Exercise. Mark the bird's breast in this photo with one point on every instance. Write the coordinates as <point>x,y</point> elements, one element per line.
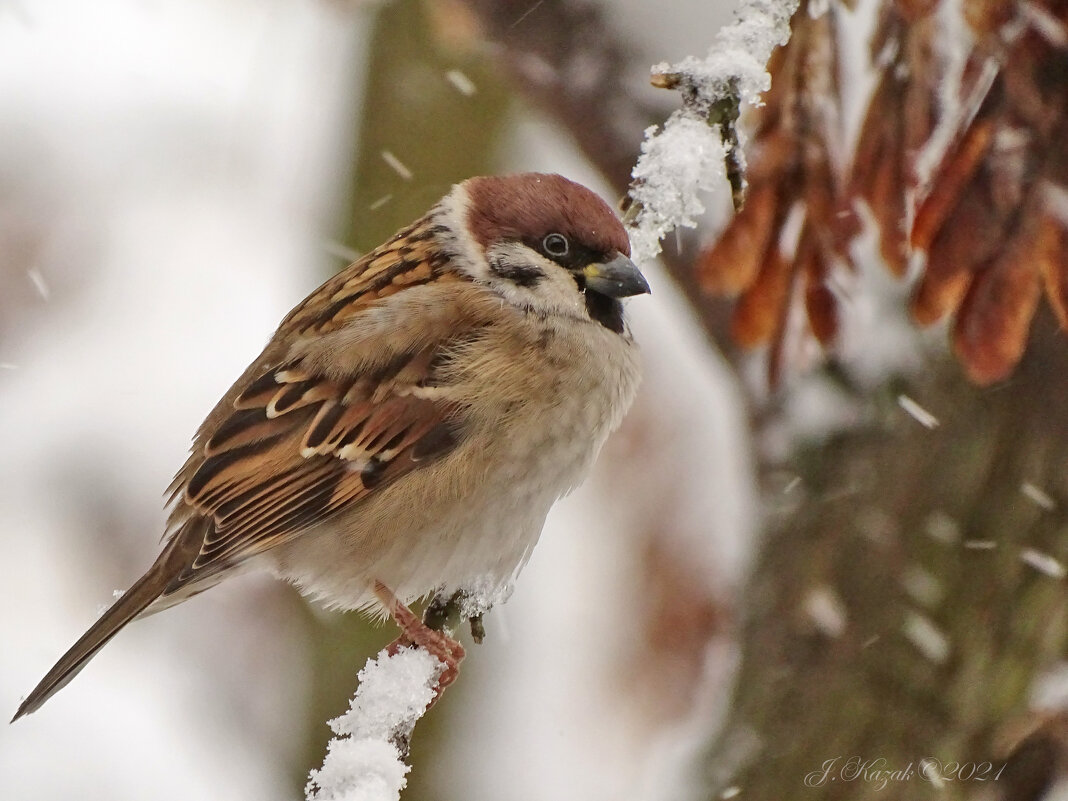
<point>537,407</point>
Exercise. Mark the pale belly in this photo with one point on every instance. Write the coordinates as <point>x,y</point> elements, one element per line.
<point>469,520</point>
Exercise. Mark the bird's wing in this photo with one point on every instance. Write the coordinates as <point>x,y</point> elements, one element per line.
<point>306,433</point>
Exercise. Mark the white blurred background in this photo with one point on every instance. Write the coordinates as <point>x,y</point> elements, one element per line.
<point>173,178</point>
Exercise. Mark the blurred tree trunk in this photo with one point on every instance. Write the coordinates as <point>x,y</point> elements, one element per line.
<point>415,109</point>
<point>895,612</point>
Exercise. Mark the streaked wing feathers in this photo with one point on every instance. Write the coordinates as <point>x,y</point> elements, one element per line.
<point>297,448</point>
<point>289,446</point>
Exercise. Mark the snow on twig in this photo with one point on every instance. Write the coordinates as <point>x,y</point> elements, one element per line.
<point>685,157</point>
<point>365,761</point>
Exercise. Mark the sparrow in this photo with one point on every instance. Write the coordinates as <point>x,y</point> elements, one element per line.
<point>410,423</point>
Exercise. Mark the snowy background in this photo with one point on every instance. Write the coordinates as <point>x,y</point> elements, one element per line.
<point>170,181</point>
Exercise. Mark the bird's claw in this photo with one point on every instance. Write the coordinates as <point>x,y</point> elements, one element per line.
<point>414,632</point>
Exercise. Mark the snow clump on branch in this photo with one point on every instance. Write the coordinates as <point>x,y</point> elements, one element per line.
<point>365,762</point>
<point>686,156</point>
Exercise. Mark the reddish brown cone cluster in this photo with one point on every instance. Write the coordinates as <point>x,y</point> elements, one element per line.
<point>993,223</point>
<point>989,221</point>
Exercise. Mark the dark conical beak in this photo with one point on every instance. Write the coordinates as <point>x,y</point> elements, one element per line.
<point>618,278</point>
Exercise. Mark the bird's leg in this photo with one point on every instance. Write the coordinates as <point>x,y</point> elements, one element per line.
<point>446,613</point>
<point>414,631</point>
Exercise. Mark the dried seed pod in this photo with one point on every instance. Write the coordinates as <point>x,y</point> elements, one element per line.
<point>958,251</point>
<point>763,303</point>
<point>733,262</point>
<point>953,175</point>
<point>990,331</point>
<point>1051,258</point>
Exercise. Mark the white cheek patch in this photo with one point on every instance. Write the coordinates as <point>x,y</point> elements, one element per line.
<point>521,276</point>
<point>527,279</point>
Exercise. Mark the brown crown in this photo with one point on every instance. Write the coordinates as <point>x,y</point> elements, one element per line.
<point>531,205</point>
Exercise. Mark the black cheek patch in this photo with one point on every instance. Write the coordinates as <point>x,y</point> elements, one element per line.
<point>521,273</point>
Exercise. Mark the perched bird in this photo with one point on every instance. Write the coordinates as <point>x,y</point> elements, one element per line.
<point>410,423</point>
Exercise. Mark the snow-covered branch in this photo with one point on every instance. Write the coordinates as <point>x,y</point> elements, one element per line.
<point>686,156</point>
<point>365,761</point>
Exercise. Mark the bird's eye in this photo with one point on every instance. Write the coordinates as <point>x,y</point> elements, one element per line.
<point>556,245</point>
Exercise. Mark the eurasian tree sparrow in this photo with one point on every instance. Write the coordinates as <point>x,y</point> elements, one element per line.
<point>409,425</point>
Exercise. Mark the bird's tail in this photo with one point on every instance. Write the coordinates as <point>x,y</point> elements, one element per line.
<point>175,557</point>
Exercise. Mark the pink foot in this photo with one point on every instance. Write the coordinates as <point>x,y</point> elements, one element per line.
<point>415,632</point>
